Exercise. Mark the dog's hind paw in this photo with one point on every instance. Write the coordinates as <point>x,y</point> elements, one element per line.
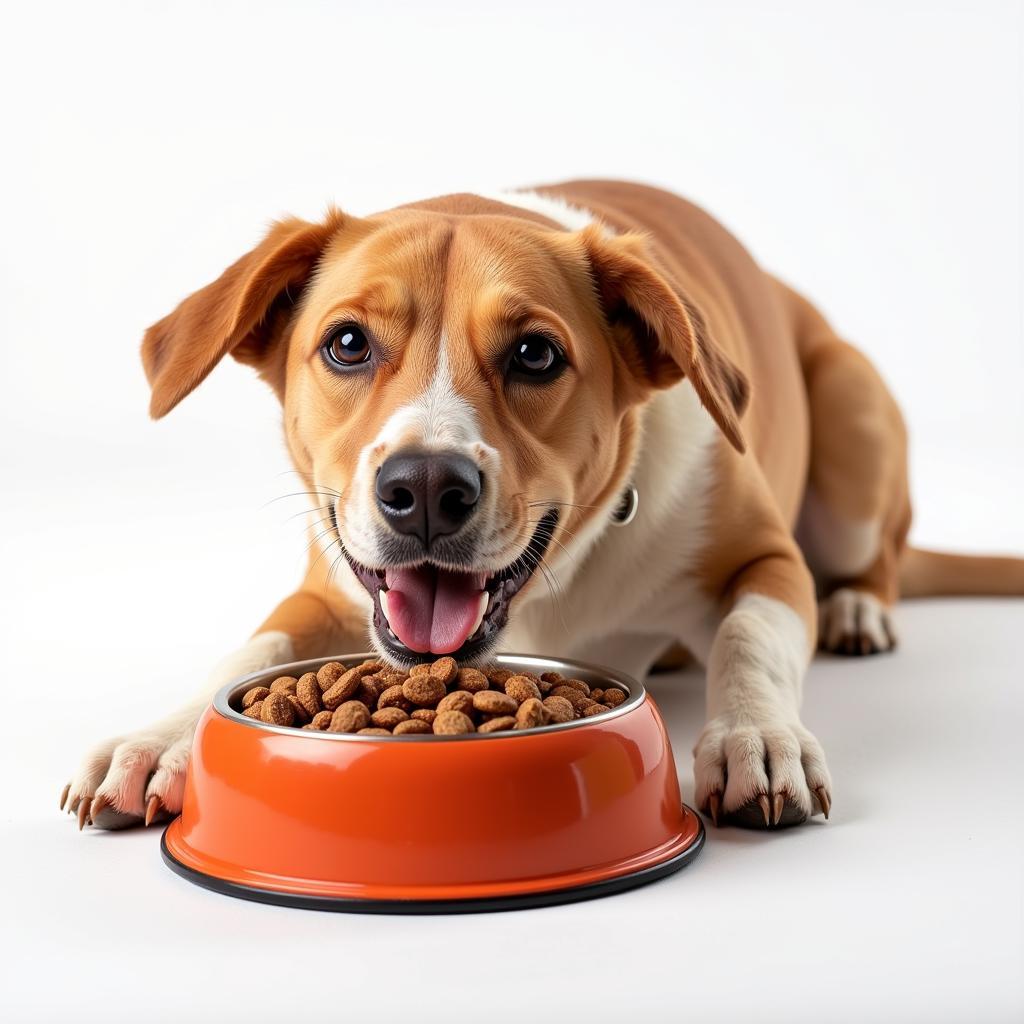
<point>855,623</point>
<point>132,780</point>
<point>760,776</point>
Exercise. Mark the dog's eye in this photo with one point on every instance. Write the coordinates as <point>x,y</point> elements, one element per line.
<point>536,356</point>
<point>346,346</point>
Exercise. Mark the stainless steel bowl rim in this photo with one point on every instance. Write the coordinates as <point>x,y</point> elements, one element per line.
<point>531,663</point>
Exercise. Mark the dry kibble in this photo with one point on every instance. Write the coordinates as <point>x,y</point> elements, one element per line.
<point>498,676</point>
<point>559,709</point>
<point>457,700</point>
<point>424,691</point>
<point>494,702</point>
<point>277,709</point>
<point>438,697</point>
<point>388,718</point>
<point>521,688</point>
<point>394,697</point>
<point>444,669</point>
<point>412,726</point>
<point>453,723</point>
<point>253,695</point>
<point>472,680</point>
<point>531,714</point>
<point>307,691</point>
<point>350,717</point>
<point>302,716</point>
<point>499,723</point>
<point>578,700</point>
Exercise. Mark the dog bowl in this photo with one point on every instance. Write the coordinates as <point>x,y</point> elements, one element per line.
<point>428,824</point>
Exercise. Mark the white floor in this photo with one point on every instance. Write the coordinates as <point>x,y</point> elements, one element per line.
<point>905,906</point>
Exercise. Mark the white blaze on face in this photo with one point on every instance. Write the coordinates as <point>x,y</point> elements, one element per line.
<point>439,419</point>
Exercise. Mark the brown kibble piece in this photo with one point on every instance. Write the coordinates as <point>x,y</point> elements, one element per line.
<point>552,677</point>
<point>344,687</point>
<point>499,723</point>
<point>577,684</point>
<point>321,720</point>
<point>559,709</point>
<point>373,731</point>
<point>494,702</point>
<point>284,684</point>
<point>521,688</point>
<point>391,677</point>
<point>369,690</point>
<point>594,709</point>
<point>578,700</point>
<point>394,697</point>
<point>444,669</point>
<point>422,669</point>
<point>498,676</point>
<point>424,715</point>
<point>597,695</point>
<point>350,717</point>
<point>425,690</point>
<point>457,700</point>
<point>613,697</point>
<point>452,723</point>
<point>328,675</point>
<point>388,718</point>
<point>253,710</point>
<point>531,714</point>
<point>411,727</point>
<point>307,691</point>
<point>472,680</point>
<point>277,709</point>
<point>253,695</point>
<point>302,716</point>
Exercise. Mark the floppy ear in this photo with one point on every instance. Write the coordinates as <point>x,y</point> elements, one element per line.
<point>664,336</point>
<point>240,312</point>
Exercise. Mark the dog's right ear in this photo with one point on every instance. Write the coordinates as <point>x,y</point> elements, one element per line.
<point>233,313</point>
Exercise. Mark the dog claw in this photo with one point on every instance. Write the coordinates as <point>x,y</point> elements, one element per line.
<point>74,805</point>
<point>714,806</point>
<point>64,796</point>
<point>762,801</point>
<point>98,804</point>
<point>778,802</point>
<point>153,808</point>
<point>824,800</point>
<point>83,812</point>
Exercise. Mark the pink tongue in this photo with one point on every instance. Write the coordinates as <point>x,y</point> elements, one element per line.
<point>432,609</point>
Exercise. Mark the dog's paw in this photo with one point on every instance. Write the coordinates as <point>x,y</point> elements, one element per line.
<point>854,622</point>
<point>134,779</point>
<point>765,775</point>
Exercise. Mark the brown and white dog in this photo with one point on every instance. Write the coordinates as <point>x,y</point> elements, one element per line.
<point>470,387</point>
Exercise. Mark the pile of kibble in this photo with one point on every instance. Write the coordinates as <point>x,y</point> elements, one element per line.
<point>373,699</point>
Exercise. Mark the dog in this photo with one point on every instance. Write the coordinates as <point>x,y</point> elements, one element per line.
<point>479,390</point>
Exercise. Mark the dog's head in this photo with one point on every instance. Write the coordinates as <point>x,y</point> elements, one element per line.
<point>461,384</point>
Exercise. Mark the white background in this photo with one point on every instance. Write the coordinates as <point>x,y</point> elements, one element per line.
<point>869,154</point>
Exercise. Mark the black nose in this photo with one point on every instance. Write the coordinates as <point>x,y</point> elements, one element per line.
<point>426,494</point>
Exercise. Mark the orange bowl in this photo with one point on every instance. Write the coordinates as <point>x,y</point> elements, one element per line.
<point>425,823</point>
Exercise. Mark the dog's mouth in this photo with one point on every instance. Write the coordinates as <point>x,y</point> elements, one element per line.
<point>431,609</point>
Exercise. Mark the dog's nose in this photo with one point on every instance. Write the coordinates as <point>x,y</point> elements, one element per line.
<point>428,494</point>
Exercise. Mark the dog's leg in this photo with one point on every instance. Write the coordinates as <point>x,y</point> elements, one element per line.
<point>141,776</point>
<point>856,513</point>
<point>755,762</point>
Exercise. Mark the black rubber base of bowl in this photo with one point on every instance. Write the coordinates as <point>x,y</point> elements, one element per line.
<point>470,906</point>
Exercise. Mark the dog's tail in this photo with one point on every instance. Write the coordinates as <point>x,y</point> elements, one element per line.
<point>935,573</point>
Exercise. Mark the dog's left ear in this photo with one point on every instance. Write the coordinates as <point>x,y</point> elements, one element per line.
<point>663,335</point>
<point>241,312</point>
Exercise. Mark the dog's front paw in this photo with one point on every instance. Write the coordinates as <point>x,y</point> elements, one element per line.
<point>760,774</point>
<point>132,779</point>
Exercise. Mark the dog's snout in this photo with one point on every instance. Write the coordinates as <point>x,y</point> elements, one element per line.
<point>428,494</point>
